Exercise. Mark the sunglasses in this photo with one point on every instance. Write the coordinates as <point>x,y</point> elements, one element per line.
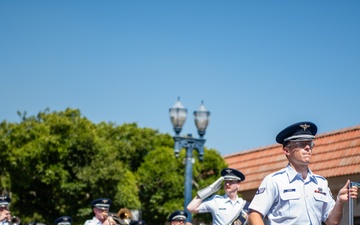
<point>302,144</point>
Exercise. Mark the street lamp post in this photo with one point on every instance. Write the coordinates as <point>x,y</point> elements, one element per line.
<point>178,117</point>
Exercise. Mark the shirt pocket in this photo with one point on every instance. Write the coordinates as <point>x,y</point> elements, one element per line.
<point>320,198</point>
<point>289,202</point>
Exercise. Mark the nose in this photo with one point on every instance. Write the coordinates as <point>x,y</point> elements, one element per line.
<point>307,148</point>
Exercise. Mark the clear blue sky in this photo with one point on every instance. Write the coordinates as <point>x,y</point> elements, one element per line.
<point>259,66</point>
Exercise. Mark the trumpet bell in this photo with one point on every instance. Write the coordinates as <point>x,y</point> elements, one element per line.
<point>124,216</point>
<point>124,213</point>
<point>14,220</point>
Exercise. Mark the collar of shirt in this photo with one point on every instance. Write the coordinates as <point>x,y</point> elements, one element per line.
<point>97,221</point>
<point>294,175</point>
<point>227,199</point>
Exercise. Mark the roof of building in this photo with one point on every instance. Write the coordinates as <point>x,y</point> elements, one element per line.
<point>335,154</point>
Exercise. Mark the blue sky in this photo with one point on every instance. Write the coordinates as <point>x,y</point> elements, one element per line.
<point>259,66</point>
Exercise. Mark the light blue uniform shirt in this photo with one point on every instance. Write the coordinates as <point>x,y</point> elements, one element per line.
<point>285,198</point>
<point>4,222</point>
<point>223,210</point>
<point>93,221</point>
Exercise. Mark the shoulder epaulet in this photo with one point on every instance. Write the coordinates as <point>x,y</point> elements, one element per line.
<point>321,177</point>
<point>278,173</point>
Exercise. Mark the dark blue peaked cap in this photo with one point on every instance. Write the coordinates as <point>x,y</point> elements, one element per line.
<point>63,220</point>
<point>232,174</point>
<point>301,131</point>
<point>5,201</point>
<point>102,203</point>
<point>178,215</point>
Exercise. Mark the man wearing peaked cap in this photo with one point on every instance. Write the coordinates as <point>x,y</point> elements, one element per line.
<point>296,188</point>
<point>64,220</point>
<point>101,209</point>
<point>4,209</point>
<point>224,209</point>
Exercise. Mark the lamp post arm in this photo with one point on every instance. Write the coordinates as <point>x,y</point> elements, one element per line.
<point>189,142</point>
<point>199,146</point>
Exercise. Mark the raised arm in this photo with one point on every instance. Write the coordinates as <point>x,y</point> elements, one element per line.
<point>194,205</point>
<point>203,194</point>
<point>336,213</point>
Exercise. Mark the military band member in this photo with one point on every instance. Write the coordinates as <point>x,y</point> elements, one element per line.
<point>295,195</point>
<point>5,215</point>
<point>224,209</point>
<point>101,208</point>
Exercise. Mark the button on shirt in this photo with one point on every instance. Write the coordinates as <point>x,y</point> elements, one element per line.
<point>93,221</point>
<point>286,198</point>
<point>223,210</point>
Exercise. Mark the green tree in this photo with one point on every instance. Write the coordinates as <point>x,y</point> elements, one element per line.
<point>161,181</point>
<point>161,185</point>
<point>56,163</point>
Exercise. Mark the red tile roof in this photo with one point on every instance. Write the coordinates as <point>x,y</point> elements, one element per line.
<point>336,154</point>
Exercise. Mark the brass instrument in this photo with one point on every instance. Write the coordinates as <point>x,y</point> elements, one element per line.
<point>123,217</point>
<point>14,220</point>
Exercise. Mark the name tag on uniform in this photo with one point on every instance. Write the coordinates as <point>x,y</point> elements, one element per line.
<point>222,208</point>
<point>289,190</point>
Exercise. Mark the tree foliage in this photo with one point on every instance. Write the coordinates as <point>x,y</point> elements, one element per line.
<point>161,179</point>
<point>56,163</point>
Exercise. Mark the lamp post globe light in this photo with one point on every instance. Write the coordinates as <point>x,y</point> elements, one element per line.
<point>178,115</point>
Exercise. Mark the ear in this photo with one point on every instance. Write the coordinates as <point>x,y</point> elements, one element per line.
<point>286,151</point>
